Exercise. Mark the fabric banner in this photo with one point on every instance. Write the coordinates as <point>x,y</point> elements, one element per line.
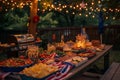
<point>66,67</point>
<point>101,23</point>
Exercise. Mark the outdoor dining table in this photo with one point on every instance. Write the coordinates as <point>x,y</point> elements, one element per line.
<point>82,68</point>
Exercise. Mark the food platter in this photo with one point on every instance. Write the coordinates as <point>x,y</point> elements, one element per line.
<point>87,54</point>
<point>15,64</point>
<point>51,74</point>
<point>78,50</point>
<point>77,60</point>
<point>14,69</point>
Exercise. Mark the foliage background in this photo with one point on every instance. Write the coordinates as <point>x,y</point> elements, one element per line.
<point>18,18</point>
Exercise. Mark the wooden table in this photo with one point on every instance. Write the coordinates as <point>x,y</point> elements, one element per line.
<point>82,68</point>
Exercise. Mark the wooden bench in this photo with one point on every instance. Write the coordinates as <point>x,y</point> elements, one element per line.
<point>113,72</point>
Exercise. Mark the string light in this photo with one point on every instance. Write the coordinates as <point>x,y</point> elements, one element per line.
<point>49,9</point>
<point>11,0</point>
<point>73,7</point>
<point>52,6</point>
<point>89,13</point>
<point>67,11</point>
<point>70,6</point>
<point>86,15</point>
<point>106,18</point>
<point>6,10</point>
<point>80,14</point>
<point>3,1</point>
<point>61,7</point>
<point>38,9</point>
<point>113,18</point>
<point>99,2</point>
<point>93,16</point>
<point>104,9</point>
<point>73,12</point>
<point>86,9</point>
<point>27,3</point>
<point>92,3</point>
<point>59,4</point>
<point>12,8</point>
<point>77,6</point>
<point>80,8</point>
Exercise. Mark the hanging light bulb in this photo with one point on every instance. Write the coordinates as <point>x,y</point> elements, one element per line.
<point>59,4</point>
<point>67,11</point>
<point>113,18</point>
<point>93,16</point>
<point>89,13</point>
<point>60,9</point>
<point>99,1</point>
<point>77,6</point>
<point>106,17</point>
<point>73,12</point>
<point>70,6</point>
<point>80,14</point>
<point>92,3</point>
<point>86,15</point>
<point>104,9</point>
<point>12,8</point>
<point>6,10</point>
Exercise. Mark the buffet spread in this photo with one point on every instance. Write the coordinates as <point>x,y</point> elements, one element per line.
<point>55,62</point>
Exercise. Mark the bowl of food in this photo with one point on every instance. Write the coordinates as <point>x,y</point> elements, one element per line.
<point>15,64</point>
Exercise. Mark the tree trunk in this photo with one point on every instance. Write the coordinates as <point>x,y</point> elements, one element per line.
<point>33,12</point>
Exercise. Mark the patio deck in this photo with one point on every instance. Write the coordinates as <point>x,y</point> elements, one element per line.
<point>87,76</point>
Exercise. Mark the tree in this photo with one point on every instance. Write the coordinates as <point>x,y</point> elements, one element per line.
<point>66,8</point>
<point>70,8</point>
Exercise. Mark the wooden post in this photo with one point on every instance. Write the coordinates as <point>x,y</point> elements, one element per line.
<point>33,12</point>
<point>101,38</point>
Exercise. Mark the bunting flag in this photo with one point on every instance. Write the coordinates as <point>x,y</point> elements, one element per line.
<point>60,75</point>
<point>3,75</point>
<point>101,23</point>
